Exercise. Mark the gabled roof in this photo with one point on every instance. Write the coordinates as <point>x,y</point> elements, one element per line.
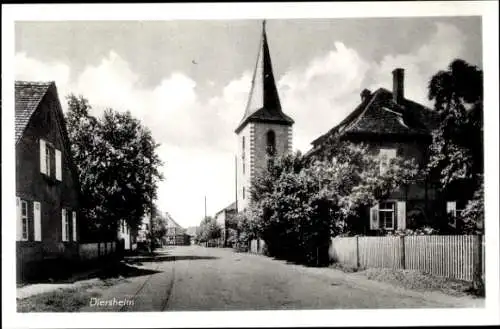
<point>172,222</point>
<point>378,114</point>
<point>28,95</point>
<point>231,207</point>
<point>263,101</point>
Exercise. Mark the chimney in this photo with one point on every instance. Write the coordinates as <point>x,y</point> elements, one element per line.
<point>365,94</point>
<point>398,87</point>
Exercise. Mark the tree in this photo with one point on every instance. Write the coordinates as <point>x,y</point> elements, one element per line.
<point>300,203</point>
<point>117,164</point>
<point>208,230</point>
<point>158,226</point>
<point>457,148</point>
<point>456,153</point>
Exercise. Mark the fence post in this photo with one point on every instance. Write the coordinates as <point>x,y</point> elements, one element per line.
<point>403,251</point>
<point>358,263</point>
<point>478,283</point>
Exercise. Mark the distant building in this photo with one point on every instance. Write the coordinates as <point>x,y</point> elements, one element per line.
<point>191,230</point>
<point>176,235</point>
<point>265,132</point>
<point>222,217</point>
<point>47,187</point>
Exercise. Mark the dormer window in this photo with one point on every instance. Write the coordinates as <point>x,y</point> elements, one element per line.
<point>386,155</point>
<point>271,143</point>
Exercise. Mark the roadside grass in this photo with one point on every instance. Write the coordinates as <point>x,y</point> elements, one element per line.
<point>64,299</point>
<point>414,280</point>
<point>345,268</point>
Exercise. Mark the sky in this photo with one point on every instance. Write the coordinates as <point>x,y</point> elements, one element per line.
<point>188,81</point>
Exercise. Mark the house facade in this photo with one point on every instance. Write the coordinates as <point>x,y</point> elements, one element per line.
<point>222,217</point>
<point>127,236</point>
<point>47,188</point>
<point>265,131</point>
<point>175,235</point>
<point>393,126</point>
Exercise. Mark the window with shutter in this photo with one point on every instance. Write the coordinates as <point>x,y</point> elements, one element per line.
<point>19,230</point>
<point>374,220</point>
<point>67,226</point>
<point>58,165</point>
<point>37,220</point>
<point>387,215</point>
<point>63,225</point>
<point>43,154</point>
<point>451,210</point>
<point>401,207</point>
<point>386,155</point>
<point>74,226</point>
<point>48,162</point>
<point>24,220</point>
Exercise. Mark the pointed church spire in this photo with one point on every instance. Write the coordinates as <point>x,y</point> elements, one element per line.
<point>263,101</point>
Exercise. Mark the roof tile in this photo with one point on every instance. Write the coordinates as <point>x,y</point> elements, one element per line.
<point>28,95</point>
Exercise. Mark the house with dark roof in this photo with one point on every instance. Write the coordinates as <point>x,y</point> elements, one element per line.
<point>392,126</point>
<point>176,234</point>
<point>47,188</point>
<point>222,217</point>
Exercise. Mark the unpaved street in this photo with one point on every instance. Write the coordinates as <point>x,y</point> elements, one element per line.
<point>197,278</point>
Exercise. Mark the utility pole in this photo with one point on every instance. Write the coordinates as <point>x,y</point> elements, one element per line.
<point>205,206</point>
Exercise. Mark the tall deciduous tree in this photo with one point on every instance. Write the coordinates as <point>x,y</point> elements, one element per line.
<point>117,164</point>
<point>457,149</point>
<point>158,226</point>
<point>456,154</point>
<point>208,230</point>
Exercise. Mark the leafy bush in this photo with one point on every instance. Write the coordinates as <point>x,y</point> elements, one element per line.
<point>300,203</point>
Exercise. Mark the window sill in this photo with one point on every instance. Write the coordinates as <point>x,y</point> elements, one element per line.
<point>51,180</point>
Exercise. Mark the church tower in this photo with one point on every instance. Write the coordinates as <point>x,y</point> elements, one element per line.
<point>265,132</point>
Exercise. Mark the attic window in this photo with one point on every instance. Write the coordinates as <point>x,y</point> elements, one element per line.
<point>386,155</point>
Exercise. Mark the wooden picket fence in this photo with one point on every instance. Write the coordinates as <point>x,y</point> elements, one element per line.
<point>453,256</point>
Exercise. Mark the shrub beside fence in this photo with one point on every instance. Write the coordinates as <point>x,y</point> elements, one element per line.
<point>458,257</point>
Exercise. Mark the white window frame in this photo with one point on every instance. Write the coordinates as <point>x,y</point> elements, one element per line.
<point>74,232</point>
<point>452,208</point>
<point>386,155</point>
<point>382,210</point>
<point>65,236</point>
<point>24,221</point>
<point>58,164</point>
